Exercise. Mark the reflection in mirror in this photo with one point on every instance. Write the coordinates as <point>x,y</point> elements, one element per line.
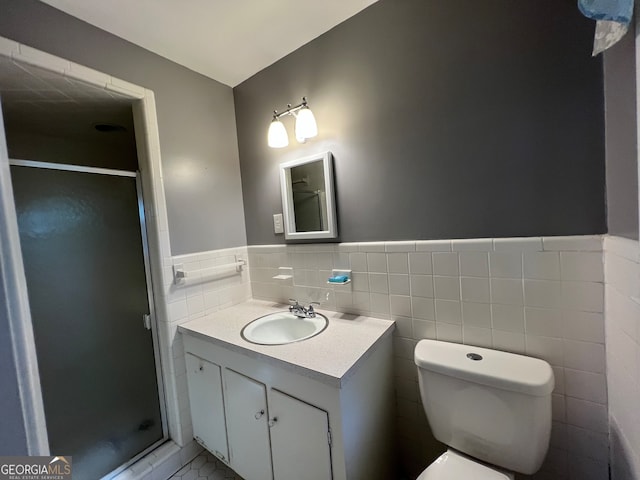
<point>307,197</point>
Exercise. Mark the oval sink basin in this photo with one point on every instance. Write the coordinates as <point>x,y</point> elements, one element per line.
<point>283,327</point>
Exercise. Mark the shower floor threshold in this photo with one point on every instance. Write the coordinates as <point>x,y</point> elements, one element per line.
<point>164,455</point>
<point>170,462</point>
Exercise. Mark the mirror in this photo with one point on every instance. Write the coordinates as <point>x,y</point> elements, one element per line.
<point>308,202</point>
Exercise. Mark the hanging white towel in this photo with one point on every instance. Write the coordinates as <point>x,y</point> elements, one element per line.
<point>607,35</point>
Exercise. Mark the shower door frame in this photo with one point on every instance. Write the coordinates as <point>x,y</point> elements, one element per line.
<point>14,291</point>
<point>147,271</point>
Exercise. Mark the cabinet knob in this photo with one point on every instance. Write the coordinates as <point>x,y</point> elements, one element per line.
<point>273,421</point>
<point>201,367</point>
<point>259,414</point>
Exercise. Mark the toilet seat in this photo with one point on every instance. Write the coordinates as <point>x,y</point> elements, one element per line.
<point>454,466</point>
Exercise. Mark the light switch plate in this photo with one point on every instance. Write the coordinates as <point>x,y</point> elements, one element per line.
<point>278,225</point>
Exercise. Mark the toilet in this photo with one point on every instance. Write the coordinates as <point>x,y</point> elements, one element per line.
<point>492,409</point>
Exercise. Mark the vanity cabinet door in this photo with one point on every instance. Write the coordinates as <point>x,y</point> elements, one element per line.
<point>204,381</point>
<point>247,423</point>
<point>300,439</point>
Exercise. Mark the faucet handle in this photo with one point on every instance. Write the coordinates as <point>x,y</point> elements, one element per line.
<point>293,304</point>
<point>310,311</point>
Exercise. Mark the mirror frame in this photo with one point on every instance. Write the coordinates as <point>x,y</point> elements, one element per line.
<point>637,46</point>
<point>286,190</point>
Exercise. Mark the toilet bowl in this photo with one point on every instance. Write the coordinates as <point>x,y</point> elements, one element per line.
<point>492,409</point>
<point>452,465</point>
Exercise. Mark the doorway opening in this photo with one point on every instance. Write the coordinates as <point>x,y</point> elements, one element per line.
<point>46,93</point>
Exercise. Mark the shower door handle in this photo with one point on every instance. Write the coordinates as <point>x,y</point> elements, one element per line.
<point>146,321</point>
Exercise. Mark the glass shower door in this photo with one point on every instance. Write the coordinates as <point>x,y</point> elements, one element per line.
<point>83,254</point>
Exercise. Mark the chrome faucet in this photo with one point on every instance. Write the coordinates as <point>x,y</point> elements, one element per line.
<point>300,310</point>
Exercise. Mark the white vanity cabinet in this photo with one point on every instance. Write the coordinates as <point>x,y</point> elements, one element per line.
<point>300,439</point>
<point>283,434</point>
<point>248,426</point>
<point>322,409</point>
<point>204,380</point>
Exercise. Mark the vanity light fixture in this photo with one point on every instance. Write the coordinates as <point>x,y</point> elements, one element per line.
<point>305,128</point>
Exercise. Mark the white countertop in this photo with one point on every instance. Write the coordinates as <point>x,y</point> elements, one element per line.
<point>330,357</point>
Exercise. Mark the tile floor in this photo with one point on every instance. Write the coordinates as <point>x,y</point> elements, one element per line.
<point>205,467</point>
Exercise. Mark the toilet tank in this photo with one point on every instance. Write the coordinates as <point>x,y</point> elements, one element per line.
<point>494,406</point>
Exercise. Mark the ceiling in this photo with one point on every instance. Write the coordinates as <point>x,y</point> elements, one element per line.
<point>227,40</point>
<point>42,102</point>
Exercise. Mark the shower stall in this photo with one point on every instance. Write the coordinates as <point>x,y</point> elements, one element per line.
<point>83,240</point>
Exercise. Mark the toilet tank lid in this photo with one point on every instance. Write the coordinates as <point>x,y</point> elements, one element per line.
<point>507,371</point>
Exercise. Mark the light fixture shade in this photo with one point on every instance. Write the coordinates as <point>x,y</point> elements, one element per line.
<point>277,136</point>
<point>306,126</point>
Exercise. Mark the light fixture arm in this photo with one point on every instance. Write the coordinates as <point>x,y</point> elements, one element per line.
<point>290,110</point>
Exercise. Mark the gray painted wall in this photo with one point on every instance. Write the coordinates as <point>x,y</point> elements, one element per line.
<point>621,138</point>
<point>195,117</point>
<point>13,440</point>
<point>446,120</point>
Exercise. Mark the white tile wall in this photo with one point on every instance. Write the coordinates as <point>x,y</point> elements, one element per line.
<point>622,274</point>
<point>541,296</point>
<point>192,298</point>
